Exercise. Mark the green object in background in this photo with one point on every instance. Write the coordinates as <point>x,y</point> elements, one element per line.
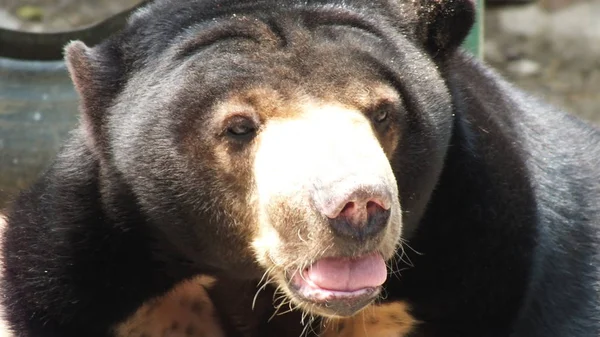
<point>30,13</point>
<point>474,42</point>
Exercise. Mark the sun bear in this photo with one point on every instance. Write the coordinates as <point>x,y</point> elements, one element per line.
<point>343,160</point>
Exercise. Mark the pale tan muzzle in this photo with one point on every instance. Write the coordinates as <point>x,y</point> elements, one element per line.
<point>324,172</point>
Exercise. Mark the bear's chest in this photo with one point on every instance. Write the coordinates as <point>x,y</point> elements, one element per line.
<point>382,320</point>
<point>188,311</point>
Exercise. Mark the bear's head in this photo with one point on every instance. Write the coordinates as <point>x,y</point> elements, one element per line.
<point>288,140</point>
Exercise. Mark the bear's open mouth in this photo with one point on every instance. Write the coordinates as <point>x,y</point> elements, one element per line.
<point>340,286</point>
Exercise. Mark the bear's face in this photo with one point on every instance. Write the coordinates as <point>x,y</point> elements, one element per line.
<point>324,196</point>
<point>271,142</point>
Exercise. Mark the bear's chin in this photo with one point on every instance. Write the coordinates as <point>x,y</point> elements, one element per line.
<point>334,304</point>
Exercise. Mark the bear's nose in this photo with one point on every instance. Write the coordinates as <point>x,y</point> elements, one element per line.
<point>359,215</point>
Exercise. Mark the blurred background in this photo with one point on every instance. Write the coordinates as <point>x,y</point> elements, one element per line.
<point>551,48</point>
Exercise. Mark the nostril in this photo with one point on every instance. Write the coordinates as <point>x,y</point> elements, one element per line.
<point>354,214</point>
<point>378,218</point>
<point>358,213</point>
<point>353,209</point>
<point>360,219</point>
<point>348,210</point>
<point>374,207</point>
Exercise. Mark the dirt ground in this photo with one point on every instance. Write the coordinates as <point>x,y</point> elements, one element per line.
<point>550,48</point>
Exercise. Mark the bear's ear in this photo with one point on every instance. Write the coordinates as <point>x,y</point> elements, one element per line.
<point>81,68</point>
<point>97,78</point>
<point>444,24</point>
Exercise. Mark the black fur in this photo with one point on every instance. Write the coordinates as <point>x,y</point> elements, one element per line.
<point>500,193</point>
<point>509,244</point>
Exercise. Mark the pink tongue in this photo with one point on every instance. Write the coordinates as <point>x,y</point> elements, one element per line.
<point>343,274</point>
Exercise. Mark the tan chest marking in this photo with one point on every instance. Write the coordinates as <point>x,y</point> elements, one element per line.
<point>383,320</point>
<point>186,311</point>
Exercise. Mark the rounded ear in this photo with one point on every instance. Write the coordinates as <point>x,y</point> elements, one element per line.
<point>446,24</point>
<point>88,73</point>
<point>80,67</point>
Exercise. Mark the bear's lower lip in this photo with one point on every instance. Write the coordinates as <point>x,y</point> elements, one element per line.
<point>341,286</point>
<point>334,303</point>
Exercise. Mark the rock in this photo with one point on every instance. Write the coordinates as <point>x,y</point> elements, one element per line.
<point>524,67</point>
<point>8,21</point>
<point>492,51</point>
<point>578,21</point>
<point>526,21</point>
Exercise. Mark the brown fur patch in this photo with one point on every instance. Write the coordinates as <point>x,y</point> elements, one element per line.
<point>383,320</point>
<point>186,311</point>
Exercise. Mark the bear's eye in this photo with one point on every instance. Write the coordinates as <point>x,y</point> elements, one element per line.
<point>241,128</point>
<point>381,114</point>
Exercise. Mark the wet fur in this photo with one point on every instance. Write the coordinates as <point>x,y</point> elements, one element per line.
<point>500,193</point>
